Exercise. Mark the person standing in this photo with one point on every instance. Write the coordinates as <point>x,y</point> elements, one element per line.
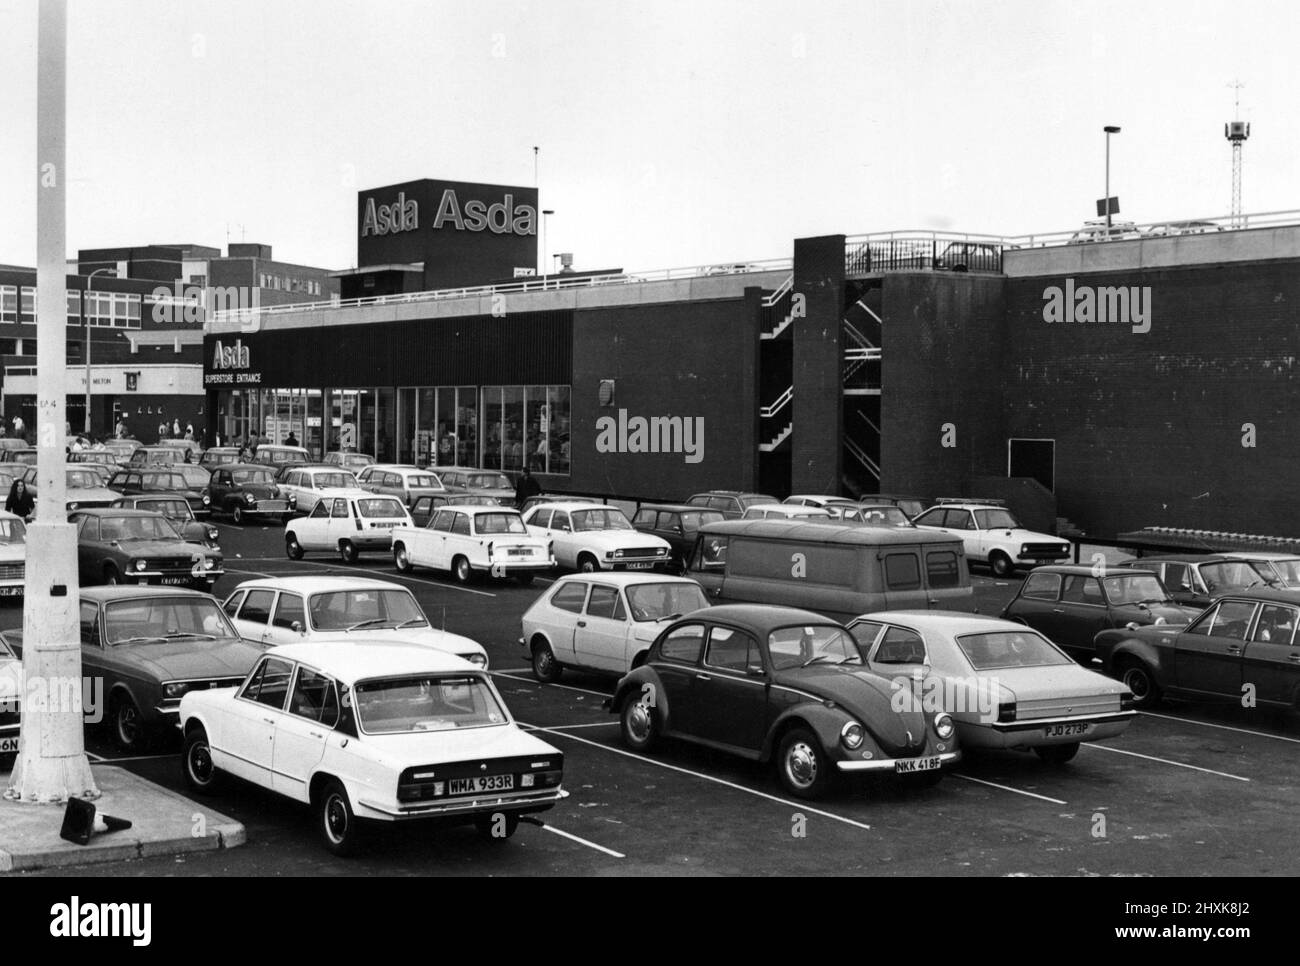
<point>526,487</point>
<point>20,501</point>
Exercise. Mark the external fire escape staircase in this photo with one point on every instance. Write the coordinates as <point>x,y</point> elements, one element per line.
<point>777,422</point>
<point>860,382</point>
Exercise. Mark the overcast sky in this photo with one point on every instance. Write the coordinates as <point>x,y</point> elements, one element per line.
<point>671,133</point>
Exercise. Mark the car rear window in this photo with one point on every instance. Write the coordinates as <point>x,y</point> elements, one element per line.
<point>941,569</point>
<point>1001,649</point>
<point>902,572</point>
<point>385,508</point>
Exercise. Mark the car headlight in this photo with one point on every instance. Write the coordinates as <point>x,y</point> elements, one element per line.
<point>250,498</point>
<point>209,563</point>
<point>175,689</point>
<point>1024,549</point>
<point>943,726</point>
<point>142,565</point>
<point>213,534</point>
<point>206,499</point>
<point>618,553</point>
<point>72,506</point>
<point>851,735</point>
<point>478,660</point>
<point>661,551</point>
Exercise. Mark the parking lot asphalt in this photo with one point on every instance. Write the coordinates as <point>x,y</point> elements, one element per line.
<point>1189,790</point>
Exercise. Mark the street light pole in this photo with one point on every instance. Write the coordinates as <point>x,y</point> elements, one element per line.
<point>546,268</point>
<point>1109,129</point>
<point>90,284</point>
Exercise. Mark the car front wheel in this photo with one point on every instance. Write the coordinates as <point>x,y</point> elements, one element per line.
<point>1000,563</point>
<point>292,547</point>
<point>237,514</point>
<point>339,830</point>
<point>1137,677</point>
<point>588,564</point>
<point>545,667</point>
<point>638,723</point>
<point>111,576</point>
<point>129,729</point>
<point>801,764</point>
<point>201,774</point>
<point>401,559</point>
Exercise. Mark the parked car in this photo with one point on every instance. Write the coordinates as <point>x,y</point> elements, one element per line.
<point>120,451</point>
<point>347,524</point>
<point>992,534</point>
<point>593,536</point>
<point>407,483</point>
<point>1197,579</point>
<point>840,508</point>
<point>1282,568</point>
<point>423,509</point>
<point>1071,604</point>
<point>13,555</point>
<point>289,610</point>
<point>1246,638</point>
<point>26,455</point>
<point>246,491</point>
<point>175,508</point>
<point>349,461</point>
<point>677,524</point>
<point>11,694</point>
<point>191,481</point>
<point>837,569</point>
<point>383,733</point>
<point>787,511</point>
<point>775,684</point>
<point>469,540</point>
<point>275,455</point>
<point>161,455</point>
<point>731,503</point>
<point>1183,228</point>
<point>1005,684</point>
<point>1096,231</point>
<point>220,456</point>
<point>133,546</point>
<point>83,488</point>
<point>884,515</point>
<point>151,646</point>
<point>604,622</point>
<point>304,486</point>
<point>487,483</point>
<point>533,501</point>
<point>966,256</point>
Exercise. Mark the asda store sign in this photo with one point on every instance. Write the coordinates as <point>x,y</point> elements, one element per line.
<point>502,217</point>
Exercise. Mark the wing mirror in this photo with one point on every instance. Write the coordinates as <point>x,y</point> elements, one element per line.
<point>297,627</point>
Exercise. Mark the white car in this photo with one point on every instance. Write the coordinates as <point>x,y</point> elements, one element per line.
<point>592,536</point>
<point>841,508</point>
<point>348,523</point>
<point>992,533</point>
<point>470,540</point>
<point>13,555</point>
<point>604,622</point>
<point>385,733</point>
<point>786,511</point>
<point>407,483</point>
<point>309,484</point>
<point>291,610</point>
<point>1004,684</point>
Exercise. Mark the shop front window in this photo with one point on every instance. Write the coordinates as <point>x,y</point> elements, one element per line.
<point>526,425</point>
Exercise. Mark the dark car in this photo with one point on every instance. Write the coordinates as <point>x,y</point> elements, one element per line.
<point>423,509</point>
<point>191,481</point>
<point>783,686</point>
<point>1244,643</point>
<point>911,505</point>
<point>175,508</point>
<point>149,646</point>
<point>219,456</point>
<point>10,695</point>
<point>678,524</point>
<point>83,488</point>
<point>278,456</point>
<point>1197,579</point>
<point>732,504</point>
<point>1071,604</point>
<point>163,454</point>
<point>246,491</point>
<point>138,547</point>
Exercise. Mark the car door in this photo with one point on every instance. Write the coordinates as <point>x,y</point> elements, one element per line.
<point>219,487</point>
<point>289,611</point>
<point>88,551</point>
<point>248,734</point>
<point>1272,658</point>
<point>677,666</point>
<point>570,598</point>
<point>600,636</point>
<point>730,692</point>
<point>1208,657</point>
<point>1038,603</point>
<point>561,533</point>
<point>312,529</point>
<point>1181,581</point>
<point>339,524</point>
<point>302,731</point>
<point>422,511</point>
<point>1079,615</point>
<point>255,615</point>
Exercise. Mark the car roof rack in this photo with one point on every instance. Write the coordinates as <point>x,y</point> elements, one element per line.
<point>967,499</point>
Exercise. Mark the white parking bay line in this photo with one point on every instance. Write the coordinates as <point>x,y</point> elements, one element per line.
<point>1164,761</point>
<point>1008,788</point>
<point>251,573</point>
<point>123,761</point>
<point>1211,724</point>
<point>797,806</point>
<point>567,687</point>
<point>94,757</point>
<point>589,724</point>
<point>591,845</point>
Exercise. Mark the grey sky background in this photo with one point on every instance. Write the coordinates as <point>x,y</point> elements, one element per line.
<point>671,133</point>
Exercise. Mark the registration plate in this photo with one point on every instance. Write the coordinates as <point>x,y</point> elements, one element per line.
<point>482,783</point>
<point>8,746</point>
<point>11,591</point>
<point>384,526</point>
<point>1066,730</point>
<point>518,552</point>
<point>905,766</point>
<point>176,580</point>
<point>640,566</point>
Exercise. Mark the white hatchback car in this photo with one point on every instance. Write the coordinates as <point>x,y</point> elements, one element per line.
<point>346,523</point>
<point>603,622</point>
<point>992,533</point>
<point>472,539</point>
<point>786,511</point>
<point>841,508</point>
<point>592,536</point>
<point>385,733</point>
<point>291,610</point>
<point>13,555</point>
<point>308,484</point>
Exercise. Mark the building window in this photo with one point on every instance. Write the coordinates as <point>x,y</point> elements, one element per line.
<point>28,307</point>
<point>74,307</point>
<point>8,303</point>
<point>526,425</point>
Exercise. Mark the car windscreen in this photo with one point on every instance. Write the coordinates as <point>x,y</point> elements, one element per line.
<point>603,519</point>
<point>161,618</point>
<point>137,528</point>
<point>1005,649</point>
<point>340,480</point>
<point>425,481</point>
<point>253,476</point>
<point>1134,589</point>
<point>809,644</point>
<point>486,523</point>
<point>384,509</point>
<point>885,516</point>
<point>81,479</point>
<point>13,532</point>
<point>1232,575</point>
<point>425,703</point>
<point>996,520</point>
<point>1288,569</point>
<point>373,608</point>
<point>172,509</point>
<point>652,602</point>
